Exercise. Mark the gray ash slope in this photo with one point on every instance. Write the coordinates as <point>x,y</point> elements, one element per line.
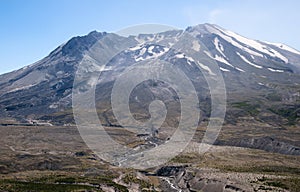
<point>262,78</point>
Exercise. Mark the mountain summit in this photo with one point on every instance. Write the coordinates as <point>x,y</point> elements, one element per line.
<point>262,78</point>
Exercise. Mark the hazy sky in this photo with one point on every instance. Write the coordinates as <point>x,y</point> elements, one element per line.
<point>30,29</point>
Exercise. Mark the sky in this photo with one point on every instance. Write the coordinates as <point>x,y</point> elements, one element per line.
<point>31,29</point>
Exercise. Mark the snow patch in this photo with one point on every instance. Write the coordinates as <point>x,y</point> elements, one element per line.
<point>180,55</point>
<point>238,40</point>
<point>225,70</point>
<point>284,47</point>
<point>254,44</point>
<point>219,46</point>
<point>222,60</point>
<point>218,58</point>
<point>239,69</point>
<point>275,70</point>
<point>136,47</point>
<point>206,68</point>
<point>150,51</point>
<point>189,60</point>
<point>233,42</point>
<point>247,61</point>
<point>183,56</point>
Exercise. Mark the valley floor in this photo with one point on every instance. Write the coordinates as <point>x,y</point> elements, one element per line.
<point>41,158</point>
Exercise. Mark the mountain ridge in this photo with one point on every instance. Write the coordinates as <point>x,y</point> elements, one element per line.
<point>261,79</point>
<point>98,34</point>
<point>223,48</point>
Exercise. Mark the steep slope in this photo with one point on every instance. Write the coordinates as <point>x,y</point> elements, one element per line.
<point>262,80</point>
<point>46,86</point>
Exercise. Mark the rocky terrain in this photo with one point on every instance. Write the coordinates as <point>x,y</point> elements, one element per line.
<point>56,159</point>
<point>257,148</point>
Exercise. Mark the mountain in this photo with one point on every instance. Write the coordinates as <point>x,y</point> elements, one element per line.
<point>262,82</point>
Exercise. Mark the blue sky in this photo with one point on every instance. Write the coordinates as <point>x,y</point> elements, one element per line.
<point>30,29</point>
